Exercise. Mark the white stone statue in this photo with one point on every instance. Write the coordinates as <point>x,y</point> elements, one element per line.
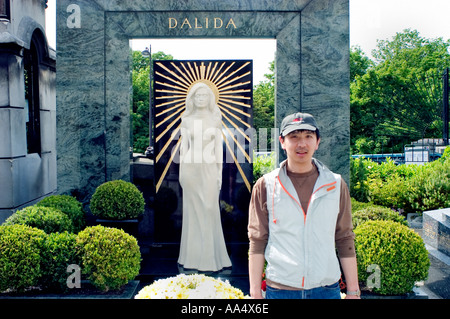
<point>201,155</point>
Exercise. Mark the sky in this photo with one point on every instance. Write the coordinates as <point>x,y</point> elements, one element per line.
<point>370,20</point>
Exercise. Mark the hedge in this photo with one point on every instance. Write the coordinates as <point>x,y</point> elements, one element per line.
<point>397,251</point>
<point>409,188</point>
<point>70,206</point>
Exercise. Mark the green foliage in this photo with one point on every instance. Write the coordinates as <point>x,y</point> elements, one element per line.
<point>20,261</point>
<point>264,105</point>
<point>70,206</point>
<point>359,169</point>
<point>110,257</point>
<point>58,253</point>
<point>429,189</point>
<point>396,100</point>
<point>407,52</point>
<point>359,63</point>
<point>389,192</point>
<point>357,205</point>
<point>362,213</point>
<point>117,200</point>
<point>140,105</point>
<point>48,219</point>
<point>397,250</point>
<point>262,165</point>
<point>411,188</point>
<point>446,155</point>
<point>383,184</point>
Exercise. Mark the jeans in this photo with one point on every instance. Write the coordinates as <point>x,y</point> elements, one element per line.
<point>328,292</point>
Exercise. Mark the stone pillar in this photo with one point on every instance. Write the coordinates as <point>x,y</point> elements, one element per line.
<point>436,229</point>
<point>326,79</point>
<point>80,85</point>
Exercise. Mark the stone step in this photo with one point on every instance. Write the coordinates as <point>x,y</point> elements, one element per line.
<point>436,229</point>
<point>446,215</point>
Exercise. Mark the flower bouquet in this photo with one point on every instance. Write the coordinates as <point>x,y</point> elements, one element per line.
<point>195,286</point>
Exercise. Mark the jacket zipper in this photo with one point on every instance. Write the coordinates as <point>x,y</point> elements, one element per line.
<point>330,186</point>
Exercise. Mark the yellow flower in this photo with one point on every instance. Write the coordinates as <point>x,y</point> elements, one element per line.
<point>190,287</point>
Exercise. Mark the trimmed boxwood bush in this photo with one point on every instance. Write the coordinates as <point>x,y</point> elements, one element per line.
<point>375,212</point>
<point>48,219</point>
<point>397,250</point>
<point>20,256</point>
<point>70,206</point>
<point>117,200</point>
<point>110,257</point>
<point>357,205</point>
<point>59,252</point>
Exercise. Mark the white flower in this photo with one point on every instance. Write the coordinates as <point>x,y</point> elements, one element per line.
<point>190,287</point>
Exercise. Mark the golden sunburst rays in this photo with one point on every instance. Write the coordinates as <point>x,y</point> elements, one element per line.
<point>231,82</point>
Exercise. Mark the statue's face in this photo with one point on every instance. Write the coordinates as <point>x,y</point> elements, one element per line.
<point>201,98</point>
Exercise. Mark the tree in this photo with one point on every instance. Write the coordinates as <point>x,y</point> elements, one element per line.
<point>359,63</point>
<point>264,103</point>
<point>398,99</point>
<point>140,107</point>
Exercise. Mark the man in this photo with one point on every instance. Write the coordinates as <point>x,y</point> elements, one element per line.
<point>299,215</point>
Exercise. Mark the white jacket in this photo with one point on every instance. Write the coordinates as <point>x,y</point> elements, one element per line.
<point>301,248</point>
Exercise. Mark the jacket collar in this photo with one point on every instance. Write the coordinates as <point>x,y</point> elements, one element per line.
<point>325,175</point>
<point>320,166</point>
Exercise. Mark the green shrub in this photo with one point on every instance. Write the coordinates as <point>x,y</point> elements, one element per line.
<point>359,170</point>
<point>109,256</point>
<point>429,189</point>
<point>446,155</point>
<point>117,200</point>
<point>20,261</point>
<point>262,165</point>
<point>412,188</point>
<point>387,183</point>
<point>397,250</point>
<point>58,253</point>
<point>375,212</point>
<point>70,206</point>
<point>48,219</point>
<point>390,192</point>
<point>357,205</point>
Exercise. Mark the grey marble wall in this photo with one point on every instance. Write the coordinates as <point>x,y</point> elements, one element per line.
<point>93,80</point>
<point>325,78</point>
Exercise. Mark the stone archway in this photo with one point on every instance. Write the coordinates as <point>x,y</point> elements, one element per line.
<point>93,89</point>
